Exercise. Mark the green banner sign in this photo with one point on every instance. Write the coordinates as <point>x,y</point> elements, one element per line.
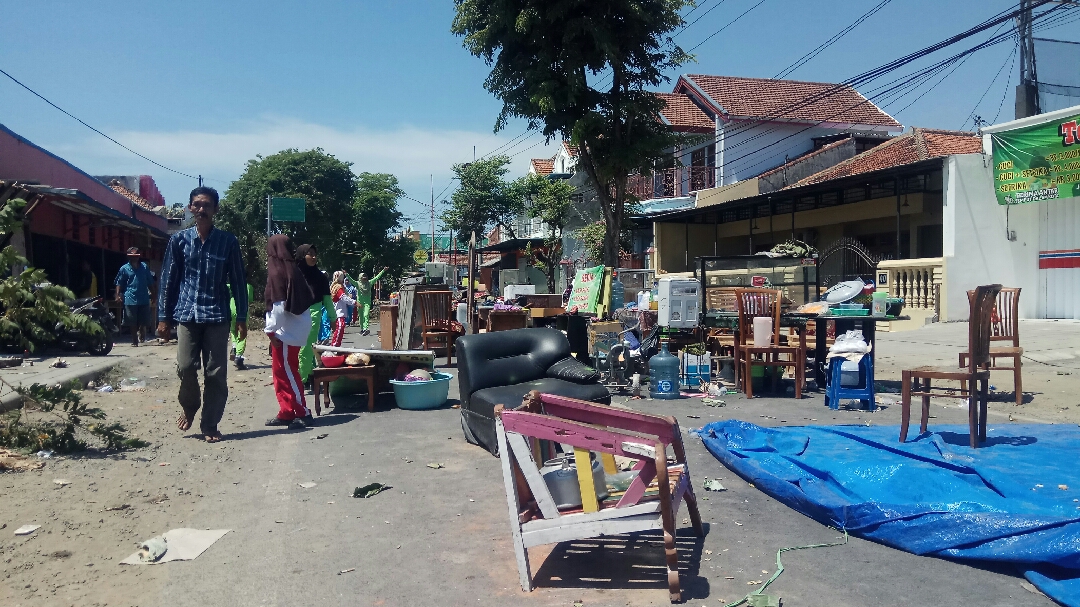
<point>288,209</point>
<point>586,290</point>
<point>1040,162</point>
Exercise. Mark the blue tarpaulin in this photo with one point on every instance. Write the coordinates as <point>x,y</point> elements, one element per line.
<point>1015,499</point>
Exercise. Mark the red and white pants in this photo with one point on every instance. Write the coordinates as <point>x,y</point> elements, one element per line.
<point>285,364</point>
<point>339,332</point>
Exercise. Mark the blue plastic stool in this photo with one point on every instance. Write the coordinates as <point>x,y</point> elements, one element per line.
<point>865,393</point>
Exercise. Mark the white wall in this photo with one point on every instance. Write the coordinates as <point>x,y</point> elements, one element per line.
<point>784,141</point>
<point>975,246</point>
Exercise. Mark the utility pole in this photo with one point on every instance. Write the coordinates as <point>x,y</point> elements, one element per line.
<point>432,217</point>
<point>1027,92</point>
<point>200,181</point>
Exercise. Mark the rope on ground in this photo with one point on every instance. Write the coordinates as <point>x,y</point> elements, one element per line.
<point>764,601</point>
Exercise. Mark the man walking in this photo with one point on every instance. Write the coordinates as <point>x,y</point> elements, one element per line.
<point>133,283</point>
<point>200,263</point>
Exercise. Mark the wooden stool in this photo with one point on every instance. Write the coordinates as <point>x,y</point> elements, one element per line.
<point>322,376</point>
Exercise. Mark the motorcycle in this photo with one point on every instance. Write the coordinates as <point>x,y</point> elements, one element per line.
<point>79,341</point>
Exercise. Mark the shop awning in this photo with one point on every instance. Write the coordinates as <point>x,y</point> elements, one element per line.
<point>76,201</point>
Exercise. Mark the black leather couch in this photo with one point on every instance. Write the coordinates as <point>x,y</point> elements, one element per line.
<point>500,368</point>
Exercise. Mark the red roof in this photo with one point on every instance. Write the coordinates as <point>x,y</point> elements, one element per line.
<point>132,196</point>
<point>572,150</point>
<point>543,166</point>
<point>919,144</point>
<point>684,115</point>
<point>787,100</point>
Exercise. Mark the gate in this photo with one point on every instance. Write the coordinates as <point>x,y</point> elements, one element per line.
<point>846,259</point>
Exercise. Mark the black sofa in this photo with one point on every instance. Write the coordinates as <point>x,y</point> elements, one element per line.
<point>500,368</point>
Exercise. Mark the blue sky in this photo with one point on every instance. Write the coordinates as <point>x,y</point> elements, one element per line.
<point>202,86</point>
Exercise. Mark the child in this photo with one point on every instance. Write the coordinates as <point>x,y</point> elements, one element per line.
<point>342,301</point>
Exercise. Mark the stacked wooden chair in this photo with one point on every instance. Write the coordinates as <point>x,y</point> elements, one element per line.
<point>1004,327</point>
<point>753,303</point>
<point>651,502</point>
<point>439,329</point>
<point>917,382</point>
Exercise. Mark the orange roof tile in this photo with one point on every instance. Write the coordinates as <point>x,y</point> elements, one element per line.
<point>132,196</point>
<point>918,144</point>
<point>787,100</point>
<point>684,115</point>
<point>543,166</point>
<point>572,150</point>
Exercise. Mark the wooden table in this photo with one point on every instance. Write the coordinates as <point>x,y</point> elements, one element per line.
<point>322,376</point>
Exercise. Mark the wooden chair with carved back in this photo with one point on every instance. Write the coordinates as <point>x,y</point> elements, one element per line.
<point>651,502</point>
<point>1004,327</point>
<point>754,303</point>
<point>437,324</point>
<point>917,382</point>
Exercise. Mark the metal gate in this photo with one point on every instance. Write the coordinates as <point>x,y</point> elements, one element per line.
<point>1059,259</point>
<point>846,259</point>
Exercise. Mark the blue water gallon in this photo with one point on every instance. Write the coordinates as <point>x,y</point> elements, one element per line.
<point>618,293</point>
<point>664,374</point>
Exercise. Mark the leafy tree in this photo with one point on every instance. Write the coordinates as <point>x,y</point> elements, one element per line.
<point>549,201</point>
<point>325,182</point>
<point>483,199</point>
<point>551,64</point>
<point>31,306</point>
<point>370,245</point>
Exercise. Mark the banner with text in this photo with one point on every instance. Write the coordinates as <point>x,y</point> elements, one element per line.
<point>586,290</point>
<point>1040,162</point>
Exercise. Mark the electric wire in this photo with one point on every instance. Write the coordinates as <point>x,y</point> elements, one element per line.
<point>1008,60</point>
<point>835,38</point>
<point>80,121</point>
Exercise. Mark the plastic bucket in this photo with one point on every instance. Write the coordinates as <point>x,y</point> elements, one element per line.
<point>423,394</point>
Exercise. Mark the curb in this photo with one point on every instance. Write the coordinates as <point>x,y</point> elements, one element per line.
<point>13,400</point>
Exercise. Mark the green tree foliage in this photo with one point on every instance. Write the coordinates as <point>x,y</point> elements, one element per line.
<point>549,201</point>
<point>375,217</point>
<point>578,69</point>
<point>55,418</point>
<point>350,218</point>
<point>483,200</point>
<point>592,236</point>
<point>31,306</point>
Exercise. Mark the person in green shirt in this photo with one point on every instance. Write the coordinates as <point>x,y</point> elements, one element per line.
<point>363,299</point>
<point>239,346</point>
<point>307,258</point>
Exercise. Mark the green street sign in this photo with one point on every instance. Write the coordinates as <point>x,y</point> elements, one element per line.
<point>1040,162</point>
<point>288,209</point>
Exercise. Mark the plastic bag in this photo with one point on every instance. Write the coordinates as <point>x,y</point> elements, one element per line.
<point>851,345</point>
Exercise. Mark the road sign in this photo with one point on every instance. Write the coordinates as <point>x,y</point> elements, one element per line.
<point>288,209</point>
<point>420,257</point>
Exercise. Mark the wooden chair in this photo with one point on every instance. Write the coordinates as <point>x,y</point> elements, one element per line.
<point>1004,327</point>
<point>651,502</point>
<point>752,303</point>
<point>979,321</point>
<point>437,325</point>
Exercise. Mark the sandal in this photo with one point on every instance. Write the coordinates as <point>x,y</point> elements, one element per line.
<point>277,421</point>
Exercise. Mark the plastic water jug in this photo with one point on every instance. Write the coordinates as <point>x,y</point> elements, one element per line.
<point>879,303</point>
<point>618,293</point>
<point>463,314</point>
<point>763,326</point>
<point>664,374</point>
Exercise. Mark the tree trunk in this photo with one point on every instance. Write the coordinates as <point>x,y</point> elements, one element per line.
<point>610,206</point>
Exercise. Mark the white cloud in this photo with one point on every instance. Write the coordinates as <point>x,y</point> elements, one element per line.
<point>410,153</point>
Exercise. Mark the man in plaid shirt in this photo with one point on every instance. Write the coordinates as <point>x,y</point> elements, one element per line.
<point>199,262</point>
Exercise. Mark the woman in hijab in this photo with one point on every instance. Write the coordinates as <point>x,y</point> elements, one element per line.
<point>342,301</point>
<point>307,258</point>
<point>288,324</point>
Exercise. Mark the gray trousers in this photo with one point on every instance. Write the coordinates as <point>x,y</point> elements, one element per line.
<point>208,344</point>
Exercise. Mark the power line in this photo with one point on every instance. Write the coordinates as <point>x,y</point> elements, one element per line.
<point>69,115</point>
<point>836,37</point>
<point>727,25</point>
<point>1007,81</point>
<point>1010,58</point>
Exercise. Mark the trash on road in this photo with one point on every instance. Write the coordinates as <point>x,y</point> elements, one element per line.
<point>132,384</point>
<point>712,484</point>
<point>181,545</point>
<point>27,529</point>
<point>349,570</point>
<point>63,482</point>
<point>152,549</point>
<point>714,402</point>
<point>322,436</point>
<point>117,507</point>
<point>45,454</point>
<point>105,388</point>
<point>370,490</point>
<point>58,363</point>
<point>308,485</point>
<point>17,462</point>
<point>435,466</point>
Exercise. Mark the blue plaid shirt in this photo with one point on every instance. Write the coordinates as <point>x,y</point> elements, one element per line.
<point>194,278</point>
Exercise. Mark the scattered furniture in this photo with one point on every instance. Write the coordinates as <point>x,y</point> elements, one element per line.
<point>505,320</point>
<point>500,368</point>
<point>979,321</point>
<point>437,331</point>
<point>1005,327</point>
<point>322,376</point>
<point>835,390</point>
<point>388,318</point>
<point>752,303</point>
<point>651,502</point>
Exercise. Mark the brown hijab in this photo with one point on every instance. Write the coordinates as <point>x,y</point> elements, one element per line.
<point>284,280</point>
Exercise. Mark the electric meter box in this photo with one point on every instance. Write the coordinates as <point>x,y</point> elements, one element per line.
<point>677,302</point>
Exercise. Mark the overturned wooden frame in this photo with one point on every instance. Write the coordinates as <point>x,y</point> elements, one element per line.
<point>587,427</point>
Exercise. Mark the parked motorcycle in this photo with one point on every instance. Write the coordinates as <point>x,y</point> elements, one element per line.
<point>75,340</point>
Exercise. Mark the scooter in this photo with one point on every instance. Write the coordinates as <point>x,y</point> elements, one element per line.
<point>76,340</point>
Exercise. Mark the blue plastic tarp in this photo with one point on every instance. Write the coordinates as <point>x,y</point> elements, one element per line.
<point>1015,499</point>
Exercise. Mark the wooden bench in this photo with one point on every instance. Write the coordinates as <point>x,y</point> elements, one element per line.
<point>322,376</point>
